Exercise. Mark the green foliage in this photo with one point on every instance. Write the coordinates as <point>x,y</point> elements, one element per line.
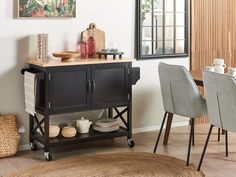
<point>53,8</point>
<point>146,7</point>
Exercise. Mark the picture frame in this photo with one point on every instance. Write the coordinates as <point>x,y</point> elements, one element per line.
<point>46,9</point>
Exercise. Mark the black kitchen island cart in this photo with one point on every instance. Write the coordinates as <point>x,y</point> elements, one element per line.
<point>81,85</point>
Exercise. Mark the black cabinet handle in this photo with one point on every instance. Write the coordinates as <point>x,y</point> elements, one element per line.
<point>89,86</point>
<point>93,86</point>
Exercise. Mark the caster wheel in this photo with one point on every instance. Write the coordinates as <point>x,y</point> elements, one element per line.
<point>131,143</point>
<point>33,147</point>
<point>48,156</point>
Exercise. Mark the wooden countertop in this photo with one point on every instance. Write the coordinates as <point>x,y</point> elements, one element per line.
<point>72,62</point>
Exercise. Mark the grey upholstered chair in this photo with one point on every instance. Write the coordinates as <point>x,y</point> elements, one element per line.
<point>180,96</point>
<point>220,93</point>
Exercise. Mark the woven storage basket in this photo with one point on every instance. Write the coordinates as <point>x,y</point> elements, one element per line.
<point>9,138</point>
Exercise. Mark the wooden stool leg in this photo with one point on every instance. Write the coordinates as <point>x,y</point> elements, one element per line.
<point>168,127</point>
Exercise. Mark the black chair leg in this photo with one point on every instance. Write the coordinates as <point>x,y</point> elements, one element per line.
<point>193,133</point>
<point>226,143</point>
<point>159,135</point>
<point>190,140</point>
<point>219,134</point>
<point>204,149</point>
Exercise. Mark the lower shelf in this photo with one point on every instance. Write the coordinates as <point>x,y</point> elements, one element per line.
<point>91,136</point>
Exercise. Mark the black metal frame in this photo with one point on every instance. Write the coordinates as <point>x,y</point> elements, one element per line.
<point>43,125</point>
<point>191,136</point>
<point>206,144</point>
<point>138,34</point>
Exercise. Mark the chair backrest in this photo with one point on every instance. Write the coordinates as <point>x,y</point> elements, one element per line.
<point>180,94</point>
<point>220,93</point>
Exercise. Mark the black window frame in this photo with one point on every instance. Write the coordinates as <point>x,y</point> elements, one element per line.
<point>138,34</point>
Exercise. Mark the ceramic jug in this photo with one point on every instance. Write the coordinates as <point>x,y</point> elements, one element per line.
<point>83,125</point>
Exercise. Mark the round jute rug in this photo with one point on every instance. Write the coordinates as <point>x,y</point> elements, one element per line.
<point>131,164</point>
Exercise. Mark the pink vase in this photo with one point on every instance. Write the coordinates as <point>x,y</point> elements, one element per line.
<point>82,48</point>
<point>91,47</point>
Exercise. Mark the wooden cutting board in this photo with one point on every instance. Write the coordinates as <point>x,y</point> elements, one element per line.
<point>99,36</point>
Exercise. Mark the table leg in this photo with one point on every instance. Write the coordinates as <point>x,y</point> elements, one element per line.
<point>168,127</point>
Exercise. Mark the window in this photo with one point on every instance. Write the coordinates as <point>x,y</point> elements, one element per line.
<point>162,28</point>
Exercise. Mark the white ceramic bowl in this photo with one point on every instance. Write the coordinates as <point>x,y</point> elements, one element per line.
<point>54,131</point>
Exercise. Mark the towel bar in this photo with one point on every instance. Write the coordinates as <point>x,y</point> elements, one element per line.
<point>39,76</point>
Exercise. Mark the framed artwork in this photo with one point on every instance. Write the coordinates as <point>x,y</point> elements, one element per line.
<point>46,8</point>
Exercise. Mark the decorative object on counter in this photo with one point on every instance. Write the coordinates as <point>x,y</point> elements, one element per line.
<point>106,125</point>
<point>38,47</point>
<point>91,45</point>
<point>9,138</point>
<point>83,125</point>
<point>106,53</point>
<point>54,131</point>
<point>113,46</point>
<point>66,55</point>
<point>46,8</point>
<point>42,47</point>
<point>83,49</point>
<point>97,34</point>
<point>68,132</point>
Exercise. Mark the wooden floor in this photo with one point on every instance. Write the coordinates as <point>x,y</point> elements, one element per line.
<point>215,163</point>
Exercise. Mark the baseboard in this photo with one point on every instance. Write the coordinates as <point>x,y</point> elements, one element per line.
<point>157,127</point>
<point>24,147</point>
<point>135,130</point>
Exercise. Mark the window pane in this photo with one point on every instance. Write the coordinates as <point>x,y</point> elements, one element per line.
<point>158,5</point>
<point>147,33</point>
<point>169,19</point>
<point>146,9</point>
<point>180,6</point>
<point>146,48</point>
<point>180,19</point>
<point>169,47</point>
<point>180,33</point>
<point>159,47</point>
<point>147,19</point>
<point>169,5</point>
<point>158,32</point>
<point>180,46</point>
<point>169,33</point>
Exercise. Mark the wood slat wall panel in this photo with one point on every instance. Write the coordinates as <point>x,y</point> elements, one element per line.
<point>213,30</point>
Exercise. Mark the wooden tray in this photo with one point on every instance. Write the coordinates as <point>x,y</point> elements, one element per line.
<point>66,55</point>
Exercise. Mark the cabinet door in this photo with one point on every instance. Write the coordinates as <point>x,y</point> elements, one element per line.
<point>109,85</point>
<point>69,89</point>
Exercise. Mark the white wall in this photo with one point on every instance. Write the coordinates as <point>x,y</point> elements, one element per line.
<point>115,17</point>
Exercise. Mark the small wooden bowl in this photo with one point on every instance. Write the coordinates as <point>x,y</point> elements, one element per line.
<point>68,132</point>
<point>54,131</point>
<point>66,55</point>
